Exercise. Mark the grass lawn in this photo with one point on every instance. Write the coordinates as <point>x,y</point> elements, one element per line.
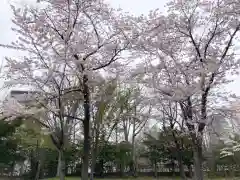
<point>141,178</point>
<point>70,178</point>
<point>145,178</point>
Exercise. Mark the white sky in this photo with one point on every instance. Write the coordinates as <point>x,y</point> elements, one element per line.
<point>136,7</point>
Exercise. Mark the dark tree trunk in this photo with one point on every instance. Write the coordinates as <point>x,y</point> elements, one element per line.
<point>173,167</point>
<point>86,129</point>
<point>190,171</point>
<point>198,159</point>
<point>38,170</point>
<point>196,137</point>
<point>122,167</point>
<point>133,154</point>
<point>155,169</point>
<point>101,168</point>
<point>38,162</point>
<point>33,165</point>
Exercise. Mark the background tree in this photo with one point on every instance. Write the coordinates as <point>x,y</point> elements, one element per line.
<point>159,152</point>
<point>192,53</point>
<point>9,146</point>
<point>95,77</point>
<point>62,59</point>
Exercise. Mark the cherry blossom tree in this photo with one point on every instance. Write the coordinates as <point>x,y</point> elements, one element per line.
<point>67,45</point>
<point>189,54</point>
<point>49,109</point>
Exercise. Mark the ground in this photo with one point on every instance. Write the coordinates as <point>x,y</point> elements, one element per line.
<point>160,178</point>
<point>78,178</point>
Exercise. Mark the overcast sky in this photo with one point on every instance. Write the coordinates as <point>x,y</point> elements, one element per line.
<point>136,7</point>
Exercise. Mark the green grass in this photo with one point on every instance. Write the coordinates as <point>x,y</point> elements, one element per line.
<point>146,178</point>
<point>140,178</point>
<point>68,178</point>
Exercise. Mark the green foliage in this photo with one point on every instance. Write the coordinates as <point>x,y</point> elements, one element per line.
<point>111,154</point>
<point>107,153</point>
<point>10,151</point>
<point>123,156</point>
<point>162,147</point>
<point>154,149</point>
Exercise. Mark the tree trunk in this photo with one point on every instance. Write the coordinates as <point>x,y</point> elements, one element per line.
<point>190,171</point>
<point>116,134</point>
<point>38,170</point>
<point>125,131</point>
<point>33,166</point>
<point>94,156</point>
<point>180,155</point>
<point>22,168</point>
<point>211,162</point>
<point>12,170</point>
<point>93,166</point>
<point>38,165</point>
<point>181,167</point>
<point>101,173</point>
<point>134,170</point>
<point>155,169</point>
<point>173,167</point>
<point>198,159</point>
<point>61,165</point>
<point>121,169</point>
<point>95,149</point>
<point>86,127</point>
